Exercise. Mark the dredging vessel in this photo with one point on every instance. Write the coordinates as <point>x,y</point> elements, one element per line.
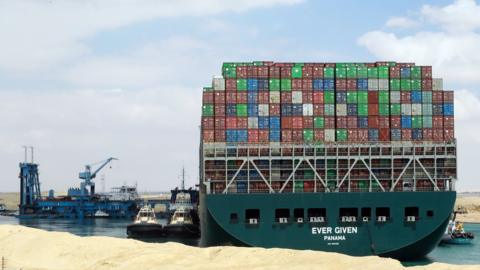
<point>356,158</point>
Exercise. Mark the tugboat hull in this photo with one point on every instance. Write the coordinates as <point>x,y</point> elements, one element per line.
<point>144,230</point>
<point>182,230</point>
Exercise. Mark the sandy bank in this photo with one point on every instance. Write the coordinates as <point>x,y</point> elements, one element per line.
<point>30,249</point>
<point>472,205</point>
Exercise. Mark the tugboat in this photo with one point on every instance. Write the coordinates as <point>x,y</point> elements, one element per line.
<point>456,235</point>
<point>145,224</point>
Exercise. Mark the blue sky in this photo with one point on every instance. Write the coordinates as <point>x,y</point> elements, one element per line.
<point>82,81</point>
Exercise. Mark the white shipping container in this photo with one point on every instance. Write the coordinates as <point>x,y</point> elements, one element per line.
<point>274,97</point>
<point>252,122</point>
<point>329,109</point>
<point>395,97</point>
<point>329,135</point>
<point>416,109</point>
<point>308,109</point>
<point>218,83</point>
<point>341,109</point>
<point>383,84</point>
<point>263,109</point>
<point>372,84</point>
<point>406,109</point>
<point>437,84</point>
<point>297,97</point>
<point>427,109</point>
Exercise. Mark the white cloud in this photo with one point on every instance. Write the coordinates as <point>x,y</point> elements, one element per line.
<point>461,16</point>
<point>400,22</point>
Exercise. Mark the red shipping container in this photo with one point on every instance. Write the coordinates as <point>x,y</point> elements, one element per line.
<point>242,72</point>
<point>263,97</point>
<point>448,134</point>
<point>219,97</point>
<point>426,84</point>
<point>341,84</point>
<point>253,135</point>
<point>319,135</point>
<point>208,135</point>
<point>437,97</point>
<point>406,134</point>
<point>373,121</point>
<point>262,72</point>
<point>263,136</point>
<point>252,72</point>
<point>384,134</point>
<point>297,84</point>
<point>351,84</point>
<point>438,134</point>
<point>219,110</point>
<point>307,72</point>
<point>286,72</point>
<point>448,96</point>
<point>286,122</point>
<point>307,97</point>
<point>405,97</point>
<point>331,65</point>
<point>242,122</point>
<point>286,97</point>
<point>297,135</point>
<point>308,186</point>
<point>231,122</point>
<point>352,122</point>
<point>207,97</point>
<point>372,97</point>
<point>318,109</point>
<point>231,97</point>
<point>307,85</point>
<point>427,134</point>
<point>437,122</point>
<point>220,135</point>
<point>341,122</point>
<point>308,122</point>
<point>384,122</point>
<point>274,72</point>
<point>242,97</point>
<point>426,72</point>
<point>274,110</point>
<point>208,122</point>
<point>231,84</point>
<point>448,122</point>
<point>318,97</point>
<point>352,135</point>
<point>405,64</point>
<point>219,122</point>
<point>362,134</point>
<point>329,122</point>
<point>395,121</point>
<point>318,72</point>
<point>286,135</point>
<point>372,109</point>
<point>394,72</point>
<point>297,122</point>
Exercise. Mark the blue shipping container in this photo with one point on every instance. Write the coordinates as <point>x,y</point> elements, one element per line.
<point>318,84</point>
<point>274,122</point>
<point>448,109</point>
<point>231,135</point>
<point>286,109</point>
<point>417,134</point>
<point>231,110</point>
<point>405,73</point>
<point>274,135</point>
<point>262,84</point>
<point>352,109</point>
<point>406,122</point>
<point>252,85</point>
<point>242,135</point>
<point>241,187</point>
<point>373,134</point>
<point>263,122</point>
<point>252,97</point>
<point>396,134</point>
<point>363,122</point>
<point>416,96</point>
<point>329,84</point>
<point>341,97</point>
<point>437,109</point>
<point>252,109</point>
<point>362,84</point>
<point>297,109</point>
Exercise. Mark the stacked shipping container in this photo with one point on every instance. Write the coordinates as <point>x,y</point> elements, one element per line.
<point>264,102</point>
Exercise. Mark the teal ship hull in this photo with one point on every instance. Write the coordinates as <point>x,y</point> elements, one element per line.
<point>225,221</point>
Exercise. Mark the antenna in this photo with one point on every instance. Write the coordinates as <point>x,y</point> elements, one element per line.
<point>183,177</point>
<point>25,148</point>
<point>31,151</point>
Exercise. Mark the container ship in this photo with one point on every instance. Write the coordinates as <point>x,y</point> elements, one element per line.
<point>356,158</point>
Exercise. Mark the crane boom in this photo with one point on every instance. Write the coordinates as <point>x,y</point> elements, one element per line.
<point>87,175</point>
<point>94,174</point>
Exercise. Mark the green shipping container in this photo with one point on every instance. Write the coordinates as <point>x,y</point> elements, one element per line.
<point>395,109</point>
<point>308,135</point>
<point>405,84</point>
<point>383,97</point>
<point>329,109</point>
<point>372,72</point>
<point>208,109</point>
<point>341,65</point>
<point>207,89</point>
<point>362,109</point>
<point>427,121</point>
<point>297,72</point>
<point>274,84</point>
<point>352,97</point>
<point>362,97</point>
<point>341,135</point>
<point>329,97</point>
<point>383,72</point>
<point>417,122</point>
<point>242,110</point>
<point>329,72</point>
<point>351,72</point>
<point>426,97</point>
<point>363,184</point>
<point>309,175</point>
<point>362,72</point>
<point>242,85</point>
<point>417,84</point>
<point>331,164</point>
<point>286,85</point>
<point>395,84</point>
<point>298,186</point>
<point>416,72</point>
<point>384,109</point>
<point>229,70</point>
<point>318,122</point>
<point>340,73</point>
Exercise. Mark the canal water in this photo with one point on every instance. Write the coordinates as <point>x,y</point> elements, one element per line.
<point>467,254</point>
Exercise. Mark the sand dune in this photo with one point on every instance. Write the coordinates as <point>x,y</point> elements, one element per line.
<point>29,249</point>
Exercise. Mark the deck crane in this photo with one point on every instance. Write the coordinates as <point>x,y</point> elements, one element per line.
<point>87,175</point>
